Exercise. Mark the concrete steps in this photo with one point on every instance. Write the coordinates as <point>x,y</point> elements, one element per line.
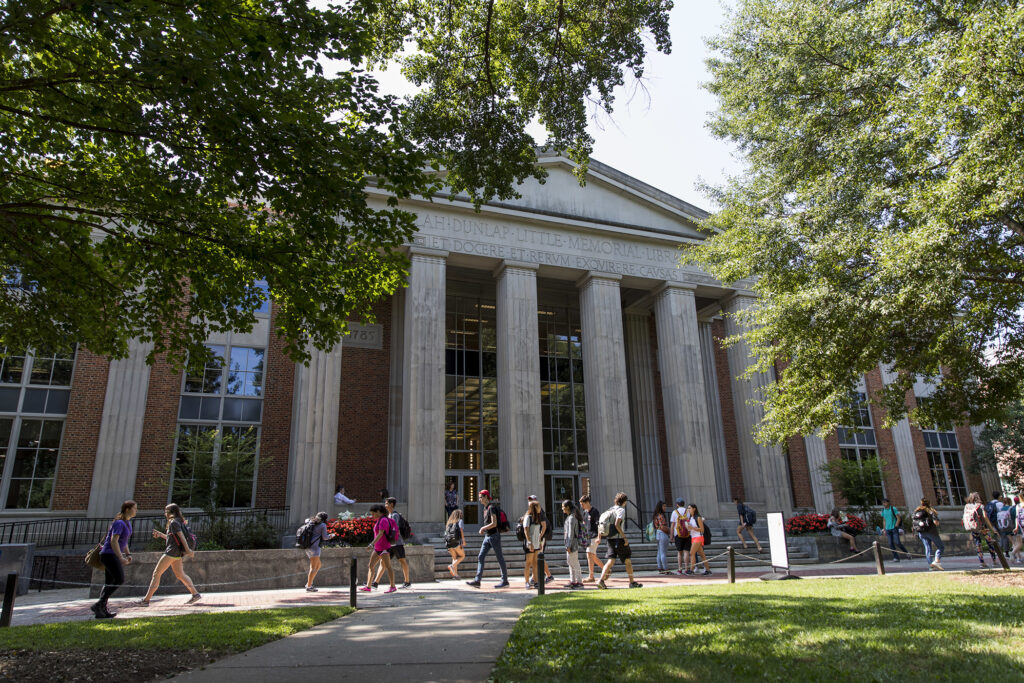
<point>644,555</point>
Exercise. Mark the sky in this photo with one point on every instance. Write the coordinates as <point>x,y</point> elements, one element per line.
<point>659,136</point>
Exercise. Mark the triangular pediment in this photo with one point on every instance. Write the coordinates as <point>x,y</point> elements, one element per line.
<point>609,197</point>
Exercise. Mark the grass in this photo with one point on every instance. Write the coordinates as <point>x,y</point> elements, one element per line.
<point>223,631</point>
<point>897,628</point>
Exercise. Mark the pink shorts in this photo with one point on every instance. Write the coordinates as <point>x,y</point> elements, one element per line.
<point>696,539</point>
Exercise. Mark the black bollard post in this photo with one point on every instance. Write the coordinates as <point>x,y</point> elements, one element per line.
<point>10,590</point>
<point>353,571</point>
<point>539,573</point>
<point>879,562</point>
<point>732,565</point>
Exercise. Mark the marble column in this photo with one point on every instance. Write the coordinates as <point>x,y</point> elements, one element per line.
<point>520,450</point>
<point>120,437</point>
<point>423,406</point>
<point>604,380</point>
<point>398,479</point>
<point>687,432</point>
<point>644,409</point>
<point>821,487</point>
<point>714,403</point>
<point>906,458</point>
<point>765,471</point>
<point>312,465</point>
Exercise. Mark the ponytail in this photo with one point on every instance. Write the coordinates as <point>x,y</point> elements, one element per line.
<point>125,507</point>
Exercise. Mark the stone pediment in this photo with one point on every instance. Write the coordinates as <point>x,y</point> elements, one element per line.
<point>609,197</point>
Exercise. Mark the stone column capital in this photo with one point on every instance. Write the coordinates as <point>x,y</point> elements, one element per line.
<point>516,267</point>
<point>418,253</point>
<point>666,288</point>
<point>594,277</point>
<point>739,299</point>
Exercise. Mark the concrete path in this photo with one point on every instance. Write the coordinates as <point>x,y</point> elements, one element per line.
<point>446,636</point>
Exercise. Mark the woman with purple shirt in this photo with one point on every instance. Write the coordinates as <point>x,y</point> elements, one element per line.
<point>114,555</point>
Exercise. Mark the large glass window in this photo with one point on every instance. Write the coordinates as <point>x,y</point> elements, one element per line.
<point>471,399</point>
<point>216,454</point>
<point>563,409</point>
<point>857,444</point>
<point>34,391</point>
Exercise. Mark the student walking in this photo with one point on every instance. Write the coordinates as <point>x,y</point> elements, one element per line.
<point>319,520</point>
<point>926,523</point>
<point>397,549</point>
<point>573,524</point>
<point>451,499</point>
<point>176,549</point>
<point>1005,524</point>
<point>455,541</point>
<point>977,522</point>
<point>661,533</point>
<point>491,531</point>
<point>590,538</point>
<point>611,526</point>
<point>1018,531</point>
<point>893,521</point>
<point>531,543</point>
<point>546,534</point>
<point>115,555</point>
<point>695,523</point>
<point>681,536</point>
<point>747,520</point>
<point>385,531</point>
<point>838,529</point>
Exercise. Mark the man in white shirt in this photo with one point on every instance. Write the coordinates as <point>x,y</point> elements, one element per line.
<point>340,498</point>
<point>618,544</point>
<point>682,538</point>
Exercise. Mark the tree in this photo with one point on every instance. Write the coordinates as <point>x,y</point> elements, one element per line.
<point>1001,447</point>
<point>161,161</point>
<point>859,483</point>
<point>881,217</point>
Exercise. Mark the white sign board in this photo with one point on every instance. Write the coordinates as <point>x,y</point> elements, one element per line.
<point>777,540</point>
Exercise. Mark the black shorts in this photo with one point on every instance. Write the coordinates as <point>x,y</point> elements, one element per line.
<point>397,552</point>
<point>618,550</point>
<point>682,543</point>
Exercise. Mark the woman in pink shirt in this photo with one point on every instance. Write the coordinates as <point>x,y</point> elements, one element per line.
<point>385,530</point>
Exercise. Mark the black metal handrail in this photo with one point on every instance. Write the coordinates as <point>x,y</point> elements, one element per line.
<point>73,532</point>
<point>639,522</point>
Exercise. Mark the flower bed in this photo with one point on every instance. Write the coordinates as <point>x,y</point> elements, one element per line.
<point>354,531</point>
<point>812,524</point>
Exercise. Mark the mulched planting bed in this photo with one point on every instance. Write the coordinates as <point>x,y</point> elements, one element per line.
<point>99,666</point>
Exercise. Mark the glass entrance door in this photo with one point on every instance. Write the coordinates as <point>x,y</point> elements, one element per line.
<point>559,487</point>
<point>468,486</point>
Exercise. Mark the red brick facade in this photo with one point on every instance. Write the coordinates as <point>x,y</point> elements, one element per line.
<point>153,478</point>
<point>276,429</point>
<point>362,466</point>
<point>885,443</point>
<point>732,444</point>
<point>81,432</point>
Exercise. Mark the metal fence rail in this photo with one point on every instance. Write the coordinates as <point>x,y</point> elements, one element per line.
<point>73,532</point>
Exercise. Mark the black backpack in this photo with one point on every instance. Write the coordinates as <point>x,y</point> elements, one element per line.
<point>707,532</point>
<point>548,530</point>
<point>304,535</point>
<point>520,531</point>
<point>749,516</point>
<point>403,527</point>
<point>451,536</point>
<point>922,521</point>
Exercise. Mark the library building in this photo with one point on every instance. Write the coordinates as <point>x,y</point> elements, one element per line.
<point>549,345</point>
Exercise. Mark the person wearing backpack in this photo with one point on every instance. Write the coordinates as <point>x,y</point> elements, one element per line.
<point>491,530</point>
<point>573,524</point>
<point>176,549</point>
<point>1018,531</point>
<point>926,523</point>
<point>455,541</point>
<point>611,525</point>
<point>661,533</point>
<point>114,555</point>
<point>747,520</point>
<point>311,534</point>
<point>977,522</point>
<point>385,531</point>
<point>993,507</point>
<point>531,525</point>
<point>1004,524</point>
<point>590,537</point>
<point>397,549</point>
<point>893,522</point>
<point>546,534</point>
<point>681,536</point>
<point>697,532</point>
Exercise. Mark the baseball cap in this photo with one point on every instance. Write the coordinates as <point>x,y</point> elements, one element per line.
<point>485,492</point>
<point>679,501</point>
<point>531,497</point>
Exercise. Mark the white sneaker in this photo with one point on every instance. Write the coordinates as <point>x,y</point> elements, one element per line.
<point>935,565</point>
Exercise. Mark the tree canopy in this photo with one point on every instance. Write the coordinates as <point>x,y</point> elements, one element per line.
<point>882,210</point>
<point>160,161</point>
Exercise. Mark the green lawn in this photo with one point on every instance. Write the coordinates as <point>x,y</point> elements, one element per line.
<point>222,631</point>
<point>899,628</point>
